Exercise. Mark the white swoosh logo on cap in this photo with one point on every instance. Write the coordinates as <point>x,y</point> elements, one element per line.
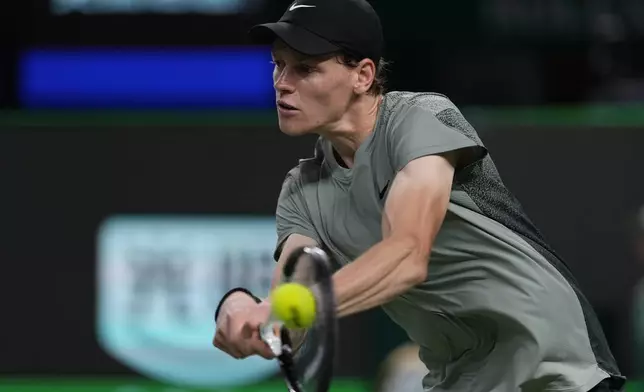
<point>296,6</point>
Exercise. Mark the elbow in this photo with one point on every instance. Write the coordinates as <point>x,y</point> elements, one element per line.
<point>417,267</point>
<point>418,270</point>
<point>414,268</point>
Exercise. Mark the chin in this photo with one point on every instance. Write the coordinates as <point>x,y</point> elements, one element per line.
<point>291,128</point>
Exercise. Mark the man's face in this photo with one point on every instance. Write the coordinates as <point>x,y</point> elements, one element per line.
<point>311,93</point>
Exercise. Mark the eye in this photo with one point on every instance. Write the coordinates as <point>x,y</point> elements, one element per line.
<point>304,68</point>
<point>277,63</point>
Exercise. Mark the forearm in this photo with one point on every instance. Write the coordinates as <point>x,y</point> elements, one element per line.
<point>385,271</point>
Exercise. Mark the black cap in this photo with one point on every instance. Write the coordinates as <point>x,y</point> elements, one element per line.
<point>319,27</point>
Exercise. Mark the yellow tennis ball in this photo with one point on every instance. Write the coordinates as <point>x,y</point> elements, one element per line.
<point>294,305</point>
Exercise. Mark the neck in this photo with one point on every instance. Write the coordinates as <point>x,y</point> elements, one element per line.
<point>354,127</point>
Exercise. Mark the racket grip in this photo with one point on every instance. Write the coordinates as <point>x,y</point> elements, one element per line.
<point>272,339</point>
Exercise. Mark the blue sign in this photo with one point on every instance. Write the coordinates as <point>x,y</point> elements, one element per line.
<point>146,78</point>
<point>159,282</point>
<point>155,6</point>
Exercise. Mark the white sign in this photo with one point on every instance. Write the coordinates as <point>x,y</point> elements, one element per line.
<point>159,282</point>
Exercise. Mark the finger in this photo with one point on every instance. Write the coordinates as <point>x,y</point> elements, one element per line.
<point>263,350</point>
<point>219,335</point>
<point>230,339</point>
<point>246,348</point>
<point>220,331</point>
<point>252,344</point>
<point>235,350</point>
<point>242,341</point>
<point>247,331</point>
<point>221,343</point>
<point>257,320</point>
<point>260,347</point>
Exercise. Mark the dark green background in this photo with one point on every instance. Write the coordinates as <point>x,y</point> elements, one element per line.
<point>577,170</point>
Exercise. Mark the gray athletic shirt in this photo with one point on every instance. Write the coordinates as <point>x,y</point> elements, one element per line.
<point>499,310</point>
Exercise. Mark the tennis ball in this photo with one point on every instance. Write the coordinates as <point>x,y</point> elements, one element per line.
<point>294,305</point>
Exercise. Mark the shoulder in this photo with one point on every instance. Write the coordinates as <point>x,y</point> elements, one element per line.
<point>292,178</point>
<point>399,102</point>
<point>291,190</point>
<point>403,106</point>
<point>402,109</point>
<point>306,171</point>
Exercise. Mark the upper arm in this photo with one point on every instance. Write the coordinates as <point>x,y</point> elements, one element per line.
<point>425,154</point>
<point>418,200</point>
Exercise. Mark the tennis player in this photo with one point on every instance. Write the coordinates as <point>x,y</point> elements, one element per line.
<point>403,194</point>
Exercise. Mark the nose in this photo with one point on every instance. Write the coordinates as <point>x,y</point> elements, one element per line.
<point>281,81</point>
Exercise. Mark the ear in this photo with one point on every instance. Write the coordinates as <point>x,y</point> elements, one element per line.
<point>365,76</point>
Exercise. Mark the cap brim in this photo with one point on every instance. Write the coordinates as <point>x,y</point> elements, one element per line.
<point>299,39</point>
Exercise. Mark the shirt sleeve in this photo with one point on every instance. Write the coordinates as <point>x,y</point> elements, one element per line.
<point>417,132</point>
<point>292,215</point>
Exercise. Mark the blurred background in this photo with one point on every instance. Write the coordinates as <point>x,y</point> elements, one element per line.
<point>140,164</point>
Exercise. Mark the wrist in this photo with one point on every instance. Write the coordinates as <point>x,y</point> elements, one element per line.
<point>236,295</point>
<point>239,297</point>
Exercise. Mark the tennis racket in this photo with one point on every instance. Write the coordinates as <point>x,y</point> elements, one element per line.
<point>308,368</point>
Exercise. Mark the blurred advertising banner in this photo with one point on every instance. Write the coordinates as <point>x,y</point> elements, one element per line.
<point>214,78</point>
<point>128,385</point>
<point>159,282</point>
<point>153,6</point>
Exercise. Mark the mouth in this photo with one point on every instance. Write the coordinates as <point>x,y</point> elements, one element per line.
<point>284,106</point>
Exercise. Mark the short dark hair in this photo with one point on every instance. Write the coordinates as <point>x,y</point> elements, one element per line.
<point>379,83</point>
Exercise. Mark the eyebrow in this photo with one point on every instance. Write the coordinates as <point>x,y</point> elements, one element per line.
<point>299,57</point>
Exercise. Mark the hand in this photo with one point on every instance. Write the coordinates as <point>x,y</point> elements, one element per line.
<point>238,325</point>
